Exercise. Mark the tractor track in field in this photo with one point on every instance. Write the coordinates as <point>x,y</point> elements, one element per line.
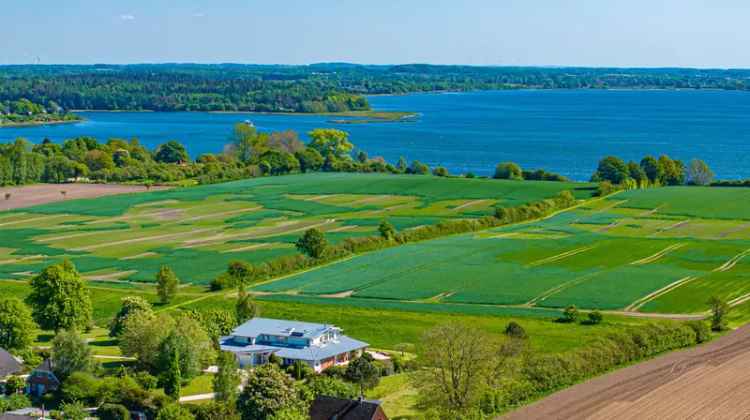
<point>705,382</point>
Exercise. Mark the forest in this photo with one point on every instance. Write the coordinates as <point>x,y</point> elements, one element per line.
<point>316,88</point>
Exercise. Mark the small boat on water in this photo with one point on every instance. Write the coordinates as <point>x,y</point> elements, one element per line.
<point>249,123</point>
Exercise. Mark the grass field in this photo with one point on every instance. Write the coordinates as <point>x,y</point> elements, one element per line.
<point>199,230</point>
<point>661,250</point>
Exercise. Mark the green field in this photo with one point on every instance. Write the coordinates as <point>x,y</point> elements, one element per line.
<point>199,230</point>
<point>660,250</point>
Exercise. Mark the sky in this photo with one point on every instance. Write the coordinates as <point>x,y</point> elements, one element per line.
<point>621,33</point>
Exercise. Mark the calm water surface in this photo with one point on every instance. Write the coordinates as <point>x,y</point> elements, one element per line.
<point>564,131</point>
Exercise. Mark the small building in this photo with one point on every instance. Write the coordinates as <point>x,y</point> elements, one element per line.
<point>330,408</point>
<point>9,366</point>
<point>320,346</point>
<point>42,380</point>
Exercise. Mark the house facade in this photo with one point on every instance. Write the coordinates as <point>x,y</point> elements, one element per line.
<point>320,346</point>
<point>42,380</point>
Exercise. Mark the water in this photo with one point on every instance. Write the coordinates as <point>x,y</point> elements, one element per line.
<point>565,131</point>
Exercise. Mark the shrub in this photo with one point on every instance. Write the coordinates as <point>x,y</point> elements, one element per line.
<point>440,171</point>
<point>594,318</point>
<point>508,170</point>
<point>570,314</point>
<point>113,412</point>
<point>702,332</point>
<point>515,330</point>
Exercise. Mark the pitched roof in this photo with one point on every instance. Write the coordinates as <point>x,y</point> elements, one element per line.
<point>8,364</point>
<point>280,327</point>
<point>330,408</point>
<point>342,344</point>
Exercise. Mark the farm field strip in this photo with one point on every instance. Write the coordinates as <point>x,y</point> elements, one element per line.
<point>559,257</point>
<point>651,296</point>
<point>658,255</point>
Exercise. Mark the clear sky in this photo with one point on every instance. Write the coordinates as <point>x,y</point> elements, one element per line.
<point>685,33</point>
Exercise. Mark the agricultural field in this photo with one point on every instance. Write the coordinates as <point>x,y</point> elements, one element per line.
<point>664,250</point>
<point>198,230</point>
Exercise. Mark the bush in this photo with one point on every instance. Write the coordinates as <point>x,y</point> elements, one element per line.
<point>702,332</point>
<point>508,170</point>
<point>570,314</point>
<point>440,171</point>
<point>300,370</point>
<point>605,188</point>
<point>113,412</point>
<point>515,330</point>
<point>594,318</point>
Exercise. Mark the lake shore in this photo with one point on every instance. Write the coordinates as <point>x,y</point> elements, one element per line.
<point>38,123</point>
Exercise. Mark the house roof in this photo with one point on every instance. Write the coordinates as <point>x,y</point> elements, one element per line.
<point>342,344</point>
<point>8,364</point>
<point>280,327</point>
<point>330,408</point>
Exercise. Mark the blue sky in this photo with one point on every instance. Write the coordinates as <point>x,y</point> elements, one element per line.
<point>686,33</point>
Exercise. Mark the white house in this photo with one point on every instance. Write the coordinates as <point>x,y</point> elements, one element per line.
<point>320,346</point>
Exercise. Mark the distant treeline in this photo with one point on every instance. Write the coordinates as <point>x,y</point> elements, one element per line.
<point>315,88</point>
<point>24,111</point>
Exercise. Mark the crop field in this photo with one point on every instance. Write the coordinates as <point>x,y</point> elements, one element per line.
<point>198,230</point>
<point>664,250</point>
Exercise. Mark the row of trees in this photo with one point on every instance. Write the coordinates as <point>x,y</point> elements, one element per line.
<point>513,171</point>
<point>652,172</point>
<point>23,111</point>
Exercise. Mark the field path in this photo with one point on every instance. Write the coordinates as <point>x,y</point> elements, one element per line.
<point>653,295</point>
<point>561,256</point>
<point>659,255</point>
<point>33,195</point>
<point>705,382</point>
<point>732,262</point>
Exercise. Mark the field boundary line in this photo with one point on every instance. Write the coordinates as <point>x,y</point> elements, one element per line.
<point>659,255</point>
<point>731,262</point>
<point>560,287</point>
<point>561,256</point>
<point>640,302</point>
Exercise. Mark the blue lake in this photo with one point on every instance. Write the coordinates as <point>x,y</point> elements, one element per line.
<point>565,131</point>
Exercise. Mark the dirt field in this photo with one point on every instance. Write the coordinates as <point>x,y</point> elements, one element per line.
<point>707,382</point>
<point>32,195</point>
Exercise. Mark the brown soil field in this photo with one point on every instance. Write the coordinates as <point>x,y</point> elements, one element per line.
<point>32,195</point>
<point>705,382</point>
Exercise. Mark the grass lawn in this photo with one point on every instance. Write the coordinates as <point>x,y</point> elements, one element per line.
<point>397,395</point>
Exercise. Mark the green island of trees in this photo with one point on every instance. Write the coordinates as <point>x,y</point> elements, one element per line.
<point>22,112</point>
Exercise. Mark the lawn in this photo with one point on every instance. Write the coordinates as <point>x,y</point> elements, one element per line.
<point>199,230</point>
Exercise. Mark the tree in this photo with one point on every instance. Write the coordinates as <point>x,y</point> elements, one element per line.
<point>17,327</point>
<point>611,169</point>
<point>362,156</point>
<point>637,174</point>
<point>457,361</point>
<point>172,379</point>
<point>329,141</point>
<point>719,311</point>
<point>267,392</point>
<point>418,168</point>
<point>227,379</point>
<point>440,171</point>
<point>166,284</point>
<point>515,330</point>
<point>508,170</point>
<point>595,317</point>
<point>74,411</point>
<point>70,353</point>
<point>214,411</point>
<point>130,305</point>
<point>673,171</point>
<point>142,334</point>
<point>652,169</point>
<point>171,152</point>
<point>59,298</point>
<point>402,165</point>
<point>309,159</point>
<point>241,272</point>
<point>330,387</point>
<point>570,314</point>
<point>699,173</point>
<point>191,343</point>
<point>387,231</point>
<point>245,142</point>
<point>113,412</point>
<point>14,384</point>
<point>313,243</point>
<point>174,412</point>
<point>246,308</point>
<point>363,372</point>
<point>98,160</point>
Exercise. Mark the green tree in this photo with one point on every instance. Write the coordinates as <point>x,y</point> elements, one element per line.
<point>17,327</point>
<point>653,170</point>
<point>171,378</point>
<point>699,173</point>
<point>457,361</point>
<point>719,311</point>
<point>59,298</point>
<point>595,317</point>
<point>130,305</point>
<point>418,168</point>
<point>611,169</point>
<point>113,412</point>
<point>71,353</point>
<point>310,160</point>
<point>363,372</point>
<point>74,411</point>
<point>637,174</point>
<point>267,392</point>
<point>171,152</point>
<point>214,411</point>
<point>227,379</point>
<point>402,165</point>
<point>329,141</point>
<point>515,330</point>
<point>570,314</point>
<point>174,412</point>
<point>245,308</point>
<point>331,387</point>
<point>508,170</point>
<point>191,343</point>
<point>166,284</point>
<point>245,142</point>
<point>387,231</point>
<point>313,243</point>
<point>440,171</point>
<point>673,171</point>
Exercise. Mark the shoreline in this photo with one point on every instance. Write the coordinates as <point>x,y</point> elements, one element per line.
<point>38,123</point>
